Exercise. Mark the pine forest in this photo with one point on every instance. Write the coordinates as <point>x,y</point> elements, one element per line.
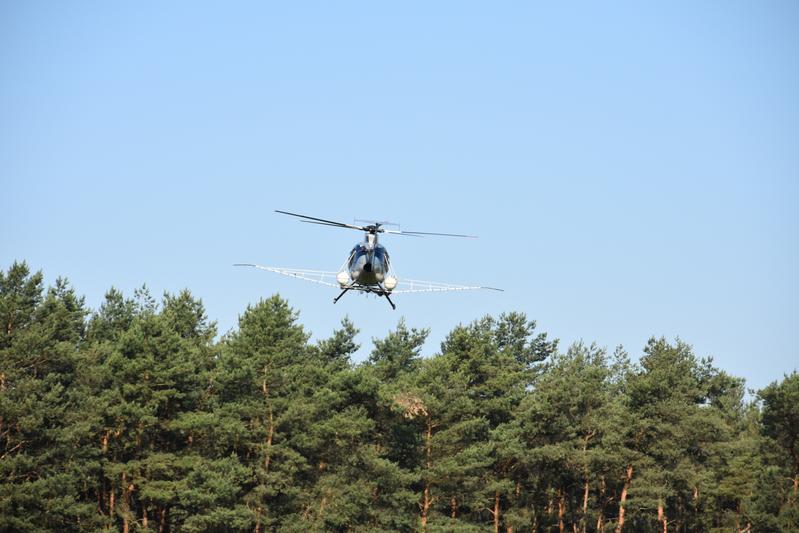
<point>138,416</point>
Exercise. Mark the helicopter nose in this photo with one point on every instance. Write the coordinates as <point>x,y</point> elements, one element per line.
<point>367,267</point>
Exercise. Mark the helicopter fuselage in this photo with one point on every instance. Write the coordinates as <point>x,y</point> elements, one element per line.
<point>368,263</point>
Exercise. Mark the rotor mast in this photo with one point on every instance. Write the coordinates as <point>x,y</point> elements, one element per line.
<point>370,234</point>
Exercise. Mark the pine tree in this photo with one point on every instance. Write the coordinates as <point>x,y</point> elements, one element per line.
<point>382,382</point>
<point>568,429</point>
<point>781,430</point>
<point>41,468</point>
<point>152,371</point>
<point>256,382</point>
<point>680,407</point>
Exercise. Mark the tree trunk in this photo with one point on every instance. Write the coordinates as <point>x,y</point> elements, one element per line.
<point>270,431</point>
<point>257,520</point>
<point>600,521</point>
<point>662,516</point>
<point>426,501</point>
<point>126,504</point>
<point>453,505</point>
<point>162,517</point>
<point>561,511</point>
<point>584,518</point>
<point>425,505</point>
<point>496,512</point>
<point>623,499</point>
<point>269,436</point>
<point>585,506</point>
<point>101,489</point>
<point>144,521</point>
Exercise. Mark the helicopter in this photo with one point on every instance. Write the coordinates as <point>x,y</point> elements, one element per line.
<point>368,268</point>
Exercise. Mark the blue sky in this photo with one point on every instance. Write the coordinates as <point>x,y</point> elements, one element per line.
<point>631,168</point>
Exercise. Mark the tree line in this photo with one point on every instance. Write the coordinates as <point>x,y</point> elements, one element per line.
<point>136,417</point>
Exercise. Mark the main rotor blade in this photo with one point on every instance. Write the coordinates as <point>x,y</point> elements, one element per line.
<point>403,233</point>
<point>322,220</point>
<point>328,224</point>
<point>440,234</point>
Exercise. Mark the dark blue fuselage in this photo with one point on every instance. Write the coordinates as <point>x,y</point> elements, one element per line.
<point>369,263</point>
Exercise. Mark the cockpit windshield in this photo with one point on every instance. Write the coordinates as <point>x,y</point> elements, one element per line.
<point>381,254</point>
<point>358,251</point>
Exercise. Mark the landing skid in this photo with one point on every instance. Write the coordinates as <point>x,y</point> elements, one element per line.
<point>385,293</point>
<point>381,292</point>
<point>348,287</point>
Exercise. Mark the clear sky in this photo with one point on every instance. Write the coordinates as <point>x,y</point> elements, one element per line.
<point>631,168</point>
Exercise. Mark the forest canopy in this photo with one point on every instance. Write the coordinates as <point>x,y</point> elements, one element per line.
<point>137,417</point>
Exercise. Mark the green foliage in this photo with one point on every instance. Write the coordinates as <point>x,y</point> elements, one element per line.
<point>138,418</point>
<point>780,422</point>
